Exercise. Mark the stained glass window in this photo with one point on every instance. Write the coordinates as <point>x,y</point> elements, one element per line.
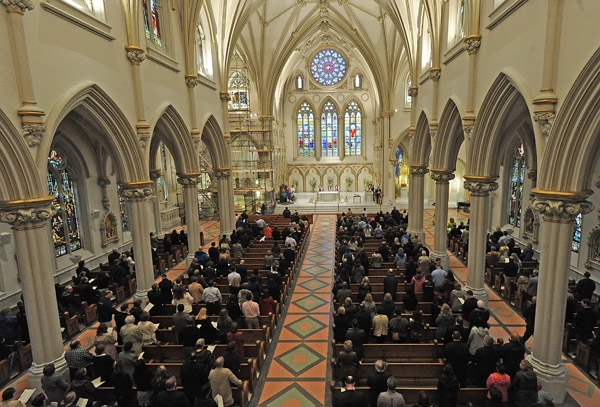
<point>200,41</point>
<point>408,86</point>
<point>152,23</point>
<point>64,224</point>
<point>517,178</point>
<point>238,92</point>
<point>329,130</point>
<point>577,234</point>
<point>123,213</point>
<point>353,129</point>
<point>328,67</point>
<point>461,19</point>
<point>306,130</point>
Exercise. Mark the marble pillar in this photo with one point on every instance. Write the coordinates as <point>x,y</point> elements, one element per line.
<point>480,188</point>
<point>558,213</point>
<point>442,192</point>
<point>415,202</point>
<point>30,223</point>
<point>190,199</point>
<point>136,194</point>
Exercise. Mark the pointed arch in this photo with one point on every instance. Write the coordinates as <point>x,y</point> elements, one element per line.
<point>171,130</point>
<point>503,119</point>
<point>450,136</point>
<point>575,134</point>
<point>107,123</point>
<point>212,137</point>
<point>18,175</point>
<point>421,142</point>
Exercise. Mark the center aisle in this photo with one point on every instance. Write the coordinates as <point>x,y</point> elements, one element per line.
<point>298,375</point>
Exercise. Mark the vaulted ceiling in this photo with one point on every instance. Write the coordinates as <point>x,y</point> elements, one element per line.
<point>382,36</point>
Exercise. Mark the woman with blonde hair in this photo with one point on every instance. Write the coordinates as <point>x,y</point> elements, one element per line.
<point>148,329</point>
<point>444,321</point>
<point>363,289</point>
<point>207,329</point>
<point>369,304</point>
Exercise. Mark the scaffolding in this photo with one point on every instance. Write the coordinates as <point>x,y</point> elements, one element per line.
<point>251,145</point>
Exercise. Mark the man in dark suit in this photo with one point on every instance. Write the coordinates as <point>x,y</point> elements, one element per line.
<point>358,338</point>
<point>512,353</point>
<point>585,287</point>
<point>377,382</point>
<point>457,354</point>
<point>350,397</point>
<point>390,284</point>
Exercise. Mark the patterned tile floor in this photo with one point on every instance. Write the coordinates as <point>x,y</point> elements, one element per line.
<point>298,372</point>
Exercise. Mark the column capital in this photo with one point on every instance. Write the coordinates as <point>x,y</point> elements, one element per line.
<point>18,6</point>
<point>413,91</point>
<point>136,55</point>
<point>20,212</point>
<point>33,133</point>
<point>480,185</point>
<point>563,204</point>
<point>435,73</point>
<point>225,96</point>
<point>189,179</point>
<point>472,43</point>
<point>222,173</point>
<point>545,120</point>
<point>191,81</point>
<point>442,176</point>
<point>419,170</point>
<point>136,191</point>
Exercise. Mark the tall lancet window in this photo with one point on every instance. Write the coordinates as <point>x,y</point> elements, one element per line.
<point>517,179</point>
<point>152,21</point>
<point>353,129</point>
<point>306,130</point>
<point>329,130</point>
<point>64,224</point>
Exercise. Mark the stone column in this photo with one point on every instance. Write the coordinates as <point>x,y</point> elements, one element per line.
<point>190,199</point>
<point>415,200</point>
<point>29,219</point>
<point>136,194</point>
<point>226,207</point>
<point>442,179</point>
<point>154,176</point>
<point>558,212</point>
<point>480,188</point>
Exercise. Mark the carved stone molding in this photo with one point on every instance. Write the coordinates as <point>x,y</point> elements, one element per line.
<point>472,44</point>
<point>386,114</point>
<point>435,74</point>
<point>433,130</point>
<point>545,120</point>
<point>27,211</point>
<point>155,174</point>
<point>33,133</point>
<point>418,170</point>
<point>191,81</point>
<point>135,55</point>
<point>136,191</point>
<point>480,187</point>
<point>442,176</point>
<point>143,132</point>
<point>188,180</point>
<point>18,6</point>
<point>222,173</point>
<point>532,175</point>
<point>413,91</point>
<point>225,96</point>
<point>468,131</point>
<point>564,209</point>
<point>103,182</point>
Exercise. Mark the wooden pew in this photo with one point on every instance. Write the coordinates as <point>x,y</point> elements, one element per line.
<point>407,373</point>
<point>466,396</point>
<point>398,352</point>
